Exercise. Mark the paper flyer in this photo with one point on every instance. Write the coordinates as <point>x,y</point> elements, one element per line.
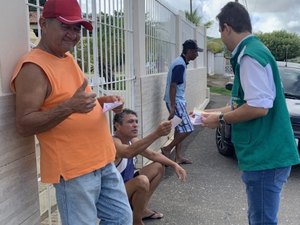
<point>196,118</point>
<point>110,106</point>
<point>175,121</point>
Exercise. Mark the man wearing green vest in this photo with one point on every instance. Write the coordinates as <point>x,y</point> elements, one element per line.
<point>261,129</point>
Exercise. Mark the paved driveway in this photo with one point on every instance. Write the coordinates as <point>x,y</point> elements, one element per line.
<point>214,193</point>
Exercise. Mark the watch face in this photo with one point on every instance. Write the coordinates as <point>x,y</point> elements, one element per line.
<point>222,122</point>
<point>221,119</point>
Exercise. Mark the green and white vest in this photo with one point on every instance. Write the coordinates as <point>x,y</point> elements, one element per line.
<point>267,142</point>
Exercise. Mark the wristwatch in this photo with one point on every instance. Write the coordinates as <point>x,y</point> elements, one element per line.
<point>221,119</point>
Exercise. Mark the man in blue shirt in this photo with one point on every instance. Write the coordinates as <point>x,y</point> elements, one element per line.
<point>175,98</point>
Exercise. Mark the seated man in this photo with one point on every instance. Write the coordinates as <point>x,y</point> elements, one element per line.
<point>140,185</point>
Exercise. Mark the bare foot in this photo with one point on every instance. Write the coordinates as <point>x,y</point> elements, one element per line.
<point>165,152</point>
<point>183,161</point>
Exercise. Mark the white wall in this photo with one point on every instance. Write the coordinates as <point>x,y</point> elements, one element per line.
<point>18,180</point>
<point>210,63</point>
<point>196,89</point>
<point>219,63</point>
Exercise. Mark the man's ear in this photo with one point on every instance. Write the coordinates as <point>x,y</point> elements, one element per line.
<point>227,28</point>
<point>42,22</point>
<point>117,126</point>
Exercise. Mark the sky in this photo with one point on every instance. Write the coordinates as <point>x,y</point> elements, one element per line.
<point>266,15</point>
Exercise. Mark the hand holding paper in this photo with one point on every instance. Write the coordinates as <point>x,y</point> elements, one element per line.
<point>164,128</point>
<point>110,106</point>
<point>196,118</point>
<point>175,121</point>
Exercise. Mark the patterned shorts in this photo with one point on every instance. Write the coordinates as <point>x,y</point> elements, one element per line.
<point>186,125</point>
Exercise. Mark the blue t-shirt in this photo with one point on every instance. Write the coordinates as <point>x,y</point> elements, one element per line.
<point>176,74</point>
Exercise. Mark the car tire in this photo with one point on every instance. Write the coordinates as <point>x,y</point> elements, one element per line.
<point>223,147</point>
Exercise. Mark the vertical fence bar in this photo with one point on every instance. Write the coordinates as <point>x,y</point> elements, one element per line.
<point>95,48</point>
<point>88,40</point>
<point>109,66</point>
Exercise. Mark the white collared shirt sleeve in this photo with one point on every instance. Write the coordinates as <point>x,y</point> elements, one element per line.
<point>257,83</point>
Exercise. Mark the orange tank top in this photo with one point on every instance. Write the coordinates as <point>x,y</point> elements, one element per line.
<point>82,142</point>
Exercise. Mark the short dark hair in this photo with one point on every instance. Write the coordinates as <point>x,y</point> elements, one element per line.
<point>118,118</point>
<point>235,15</point>
<point>190,44</point>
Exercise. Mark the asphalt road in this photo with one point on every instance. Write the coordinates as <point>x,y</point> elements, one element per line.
<point>214,193</point>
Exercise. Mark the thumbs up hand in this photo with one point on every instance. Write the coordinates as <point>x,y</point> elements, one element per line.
<point>81,101</point>
<point>83,85</point>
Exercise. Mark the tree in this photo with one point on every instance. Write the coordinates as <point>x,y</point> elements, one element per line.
<point>208,24</point>
<point>283,45</point>
<point>215,45</point>
<point>193,17</point>
<point>196,19</point>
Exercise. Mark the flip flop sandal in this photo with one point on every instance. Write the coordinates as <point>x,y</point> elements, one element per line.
<point>154,216</point>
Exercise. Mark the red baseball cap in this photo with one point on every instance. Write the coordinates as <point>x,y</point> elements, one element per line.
<point>66,11</point>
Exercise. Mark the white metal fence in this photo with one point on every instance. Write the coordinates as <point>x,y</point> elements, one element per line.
<point>160,37</point>
<point>162,27</point>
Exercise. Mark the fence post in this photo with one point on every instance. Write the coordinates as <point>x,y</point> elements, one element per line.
<point>139,59</point>
<point>179,38</point>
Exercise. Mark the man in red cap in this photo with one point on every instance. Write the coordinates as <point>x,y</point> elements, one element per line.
<point>55,102</point>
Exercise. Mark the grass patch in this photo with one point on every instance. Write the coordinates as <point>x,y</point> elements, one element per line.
<point>220,90</point>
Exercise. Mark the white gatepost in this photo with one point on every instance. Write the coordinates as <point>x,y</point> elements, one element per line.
<point>139,54</point>
<point>19,202</point>
<point>179,39</point>
<point>138,18</point>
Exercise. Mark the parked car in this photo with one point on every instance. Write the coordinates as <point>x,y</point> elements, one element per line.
<point>290,76</point>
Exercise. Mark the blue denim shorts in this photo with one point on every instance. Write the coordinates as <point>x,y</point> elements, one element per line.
<point>100,194</point>
<point>263,191</point>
